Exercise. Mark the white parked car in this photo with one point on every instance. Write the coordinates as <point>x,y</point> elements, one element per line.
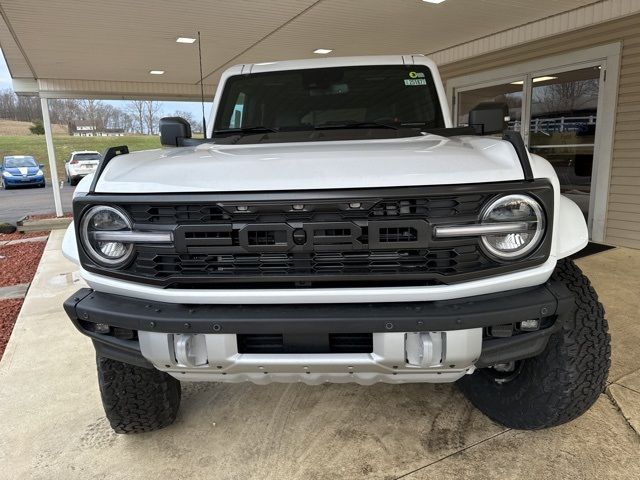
<point>335,227</point>
<point>80,164</point>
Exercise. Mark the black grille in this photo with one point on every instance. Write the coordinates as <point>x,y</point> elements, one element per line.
<point>439,261</point>
<point>425,207</point>
<point>306,343</point>
<point>314,239</point>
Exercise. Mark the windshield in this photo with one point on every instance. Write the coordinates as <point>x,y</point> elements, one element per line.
<point>87,156</point>
<point>15,162</point>
<point>373,98</point>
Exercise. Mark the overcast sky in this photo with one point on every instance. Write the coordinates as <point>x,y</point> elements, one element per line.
<point>168,108</point>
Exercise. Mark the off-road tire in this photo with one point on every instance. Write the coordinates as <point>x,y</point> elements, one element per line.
<point>561,383</point>
<point>137,399</point>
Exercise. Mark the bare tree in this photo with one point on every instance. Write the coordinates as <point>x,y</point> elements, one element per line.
<point>90,109</point>
<point>196,125</point>
<point>152,115</point>
<point>136,109</point>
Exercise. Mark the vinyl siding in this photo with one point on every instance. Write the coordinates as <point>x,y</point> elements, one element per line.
<point>623,210</point>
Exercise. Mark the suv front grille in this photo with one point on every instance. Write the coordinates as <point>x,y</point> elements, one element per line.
<point>357,237</point>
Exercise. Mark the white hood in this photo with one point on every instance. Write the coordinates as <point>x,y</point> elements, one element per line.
<point>414,161</point>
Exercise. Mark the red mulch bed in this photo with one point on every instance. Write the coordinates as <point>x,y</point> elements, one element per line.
<point>5,237</point>
<point>9,310</point>
<point>20,262</point>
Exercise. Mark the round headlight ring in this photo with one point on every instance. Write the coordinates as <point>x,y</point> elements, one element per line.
<point>88,242</point>
<point>532,244</point>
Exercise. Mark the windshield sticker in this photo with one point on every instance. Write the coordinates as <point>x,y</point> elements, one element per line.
<point>416,75</point>
<point>414,81</point>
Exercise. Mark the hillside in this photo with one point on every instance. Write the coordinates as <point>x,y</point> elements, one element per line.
<point>12,127</point>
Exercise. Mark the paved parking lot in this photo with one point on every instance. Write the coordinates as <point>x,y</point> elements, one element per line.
<point>53,425</point>
<point>17,203</point>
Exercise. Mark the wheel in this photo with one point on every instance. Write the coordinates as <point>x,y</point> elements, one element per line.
<point>562,382</point>
<point>137,399</point>
<point>4,185</point>
<point>74,181</point>
<point>42,185</point>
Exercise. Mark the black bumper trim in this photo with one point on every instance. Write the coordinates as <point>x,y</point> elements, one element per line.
<point>518,347</point>
<point>481,311</point>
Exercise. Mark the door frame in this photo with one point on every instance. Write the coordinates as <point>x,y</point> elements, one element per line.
<point>608,56</point>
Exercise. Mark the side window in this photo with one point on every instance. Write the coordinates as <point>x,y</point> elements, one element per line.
<point>238,110</point>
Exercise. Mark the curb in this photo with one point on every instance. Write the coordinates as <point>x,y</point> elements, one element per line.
<point>44,224</point>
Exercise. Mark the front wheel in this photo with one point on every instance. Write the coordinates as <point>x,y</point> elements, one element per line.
<point>562,382</point>
<point>137,399</point>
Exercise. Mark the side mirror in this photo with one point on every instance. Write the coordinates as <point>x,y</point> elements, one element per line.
<point>489,118</point>
<point>173,130</point>
<point>41,165</point>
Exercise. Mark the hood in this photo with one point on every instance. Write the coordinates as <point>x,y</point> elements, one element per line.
<point>414,161</point>
<point>21,171</point>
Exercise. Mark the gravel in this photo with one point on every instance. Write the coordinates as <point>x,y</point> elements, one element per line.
<point>9,310</point>
<point>18,263</point>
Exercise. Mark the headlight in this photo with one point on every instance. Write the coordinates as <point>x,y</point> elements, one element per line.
<point>39,173</point>
<point>6,174</point>
<point>97,230</point>
<point>514,209</point>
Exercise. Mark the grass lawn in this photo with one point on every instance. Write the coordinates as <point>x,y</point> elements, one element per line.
<point>65,144</point>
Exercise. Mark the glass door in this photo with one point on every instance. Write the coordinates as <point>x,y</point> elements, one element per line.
<point>511,93</point>
<point>562,127</point>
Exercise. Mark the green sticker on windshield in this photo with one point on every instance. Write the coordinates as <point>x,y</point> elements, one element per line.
<point>414,81</point>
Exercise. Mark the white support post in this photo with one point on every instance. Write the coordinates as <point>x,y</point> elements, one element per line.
<point>55,185</point>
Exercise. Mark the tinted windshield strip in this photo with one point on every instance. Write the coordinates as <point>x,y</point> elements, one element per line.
<point>338,98</point>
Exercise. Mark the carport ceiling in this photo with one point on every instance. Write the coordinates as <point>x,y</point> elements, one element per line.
<point>122,40</point>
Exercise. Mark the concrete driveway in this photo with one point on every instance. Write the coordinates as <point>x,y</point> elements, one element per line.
<point>52,424</point>
<point>19,202</point>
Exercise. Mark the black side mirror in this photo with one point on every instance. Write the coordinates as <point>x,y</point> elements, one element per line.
<point>41,165</point>
<point>489,118</point>
<point>173,130</point>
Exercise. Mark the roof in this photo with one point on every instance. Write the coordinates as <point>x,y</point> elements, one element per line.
<point>107,49</point>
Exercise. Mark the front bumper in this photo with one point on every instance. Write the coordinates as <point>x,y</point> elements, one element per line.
<point>16,181</point>
<point>201,342</point>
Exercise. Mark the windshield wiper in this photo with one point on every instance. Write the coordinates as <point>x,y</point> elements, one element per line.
<point>347,125</point>
<point>254,129</point>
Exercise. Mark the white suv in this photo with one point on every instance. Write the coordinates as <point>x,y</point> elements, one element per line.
<point>81,164</point>
<point>335,227</point>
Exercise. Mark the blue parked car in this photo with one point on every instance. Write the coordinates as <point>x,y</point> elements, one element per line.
<point>21,170</point>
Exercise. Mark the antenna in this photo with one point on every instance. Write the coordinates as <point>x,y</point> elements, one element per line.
<point>204,122</point>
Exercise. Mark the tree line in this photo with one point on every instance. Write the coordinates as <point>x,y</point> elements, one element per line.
<point>136,116</point>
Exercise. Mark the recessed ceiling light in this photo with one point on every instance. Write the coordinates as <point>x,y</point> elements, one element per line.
<point>322,51</point>
<point>185,40</point>
<point>156,72</point>
<point>433,1</point>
